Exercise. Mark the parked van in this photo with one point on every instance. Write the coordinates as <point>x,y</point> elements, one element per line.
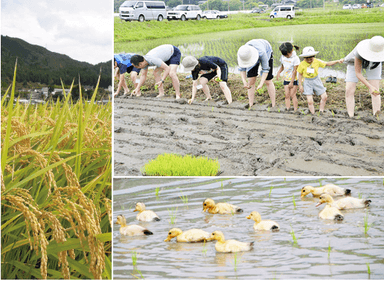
<point>283,12</point>
<point>183,12</point>
<point>142,10</point>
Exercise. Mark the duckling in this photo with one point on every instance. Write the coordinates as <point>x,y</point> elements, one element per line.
<point>263,225</point>
<point>131,230</point>
<point>229,246</point>
<point>344,203</point>
<point>192,235</point>
<point>220,208</point>
<point>145,215</point>
<point>331,213</point>
<point>328,189</point>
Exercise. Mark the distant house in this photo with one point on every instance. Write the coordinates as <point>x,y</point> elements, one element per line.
<point>35,94</point>
<point>45,92</point>
<point>58,91</point>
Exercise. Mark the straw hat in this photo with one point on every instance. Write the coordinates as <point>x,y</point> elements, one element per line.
<point>308,52</point>
<point>247,56</point>
<point>372,49</point>
<point>189,63</point>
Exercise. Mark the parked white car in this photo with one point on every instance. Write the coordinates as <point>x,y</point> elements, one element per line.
<point>184,12</point>
<point>347,7</point>
<point>283,12</point>
<point>356,6</point>
<point>142,10</point>
<point>213,14</point>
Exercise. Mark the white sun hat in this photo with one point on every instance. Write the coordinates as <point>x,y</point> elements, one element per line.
<point>189,63</point>
<point>372,49</point>
<point>308,52</point>
<point>247,56</point>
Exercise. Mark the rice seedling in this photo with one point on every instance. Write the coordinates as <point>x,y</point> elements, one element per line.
<point>368,268</point>
<point>333,113</point>
<point>329,249</point>
<point>294,239</point>
<point>367,226</point>
<point>278,110</point>
<point>157,190</point>
<point>320,183</point>
<point>236,261</point>
<point>270,191</point>
<point>184,199</point>
<point>172,215</point>
<point>177,165</point>
<point>360,195</point>
<point>204,251</point>
<point>134,258</point>
<point>55,189</point>
<point>212,108</point>
<point>294,202</point>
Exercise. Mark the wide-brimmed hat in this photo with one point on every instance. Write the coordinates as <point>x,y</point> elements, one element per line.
<point>189,63</point>
<point>247,56</point>
<point>372,49</point>
<point>308,52</point>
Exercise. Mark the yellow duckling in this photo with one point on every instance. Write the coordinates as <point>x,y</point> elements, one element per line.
<point>145,215</point>
<point>131,230</point>
<point>220,208</point>
<point>328,189</point>
<point>192,235</point>
<point>344,203</point>
<point>331,213</point>
<point>229,246</point>
<point>263,225</point>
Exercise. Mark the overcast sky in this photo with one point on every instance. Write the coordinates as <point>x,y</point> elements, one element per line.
<point>81,29</point>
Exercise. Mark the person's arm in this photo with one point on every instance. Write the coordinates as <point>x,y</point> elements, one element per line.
<point>262,80</point>
<point>301,89</point>
<point>329,63</point>
<point>143,77</point>
<point>166,69</point>
<point>194,90</point>
<point>243,75</point>
<point>294,73</point>
<point>279,72</point>
<point>358,70</point>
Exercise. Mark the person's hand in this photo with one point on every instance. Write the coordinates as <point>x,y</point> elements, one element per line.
<point>290,85</point>
<point>190,101</point>
<point>341,60</point>
<point>158,84</point>
<point>115,94</point>
<point>135,91</point>
<point>301,89</point>
<point>278,76</point>
<point>246,86</point>
<point>259,87</point>
<point>374,91</point>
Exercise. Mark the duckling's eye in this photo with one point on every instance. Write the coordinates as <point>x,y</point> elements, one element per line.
<point>169,233</point>
<point>213,233</point>
<point>205,204</point>
<point>303,190</point>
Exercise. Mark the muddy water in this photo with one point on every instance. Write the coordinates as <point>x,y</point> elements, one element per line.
<point>247,143</point>
<point>274,255</point>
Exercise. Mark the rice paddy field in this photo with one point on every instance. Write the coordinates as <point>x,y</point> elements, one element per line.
<point>56,206</point>
<point>305,248</point>
<point>333,41</point>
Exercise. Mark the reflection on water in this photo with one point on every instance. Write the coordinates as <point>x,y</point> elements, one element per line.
<point>274,254</point>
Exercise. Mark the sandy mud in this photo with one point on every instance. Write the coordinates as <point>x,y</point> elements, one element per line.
<point>256,142</point>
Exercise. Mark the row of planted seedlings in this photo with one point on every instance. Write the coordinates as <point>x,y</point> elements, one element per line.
<point>55,189</point>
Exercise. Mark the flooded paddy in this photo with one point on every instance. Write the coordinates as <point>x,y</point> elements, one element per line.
<point>324,250</point>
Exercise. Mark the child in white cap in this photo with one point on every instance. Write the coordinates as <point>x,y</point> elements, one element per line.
<point>309,70</point>
<point>368,55</point>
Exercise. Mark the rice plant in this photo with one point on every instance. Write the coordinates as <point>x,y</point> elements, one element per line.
<point>157,190</point>
<point>184,199</point>
<point>320,183</point>
<point>236,261</point>
<point>134,258</point>
<point>177,165</point>
<point>368,268</point>
<point>294,239</point>
<point>367,226</point>
<point>294,202</point>
<point>204,251</point>
<point>329,249</point>
<point>55,189</point>
<point>270,191</point>
<point>172,215</point>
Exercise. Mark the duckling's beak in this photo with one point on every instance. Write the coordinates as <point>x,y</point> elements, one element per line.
<point>116,222</point>
<point>249,217</point>
<point>135,210</point>
<point>204,209</point>
<point>318,204</point>
<point>302,195</point>
<point>168,239</point>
